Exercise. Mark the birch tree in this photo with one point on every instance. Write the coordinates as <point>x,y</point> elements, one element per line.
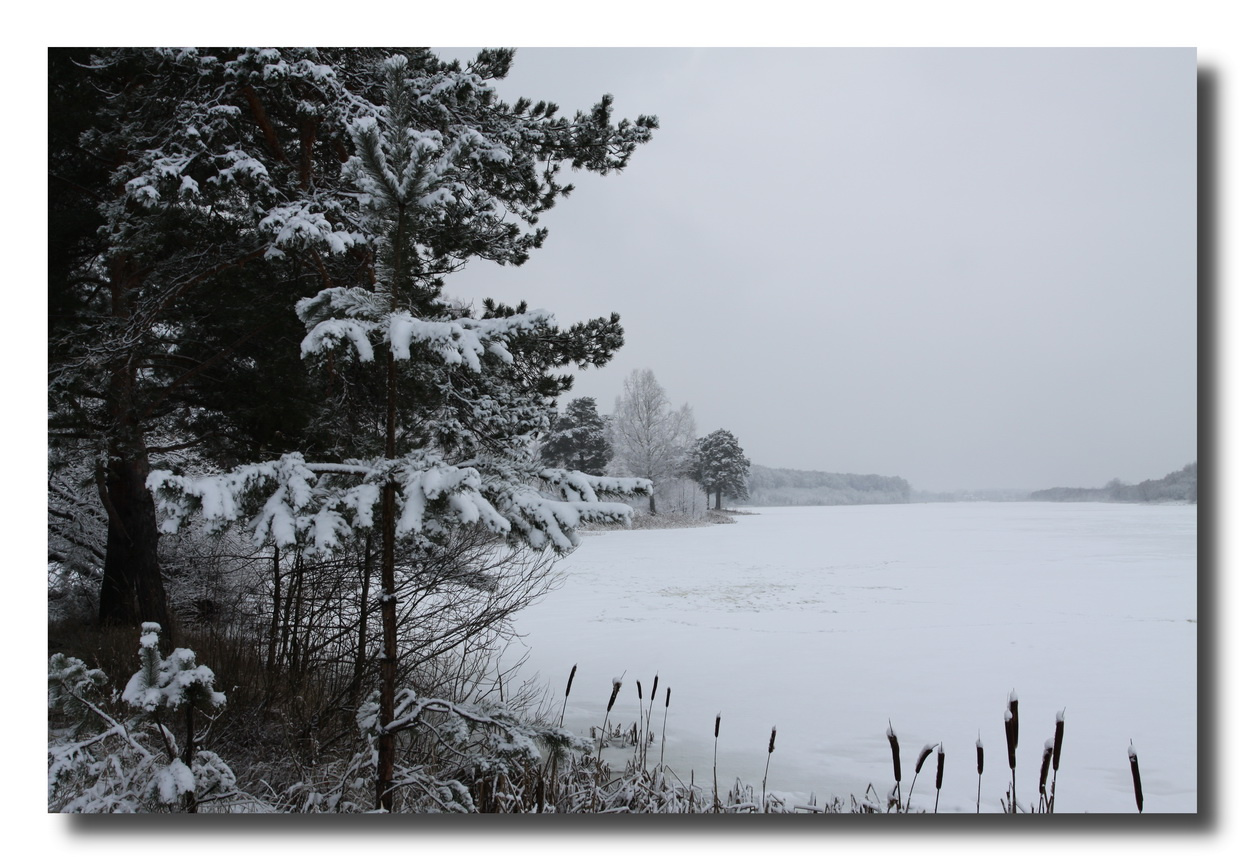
<point>650,439</point>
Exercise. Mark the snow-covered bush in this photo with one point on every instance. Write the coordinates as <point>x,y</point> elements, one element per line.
<point>104,758</point>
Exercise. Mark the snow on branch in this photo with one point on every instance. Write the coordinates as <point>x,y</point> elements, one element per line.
<point>300,224</point>
<point>353,315</point>
<point>576,486</point>
<point>291,504</point>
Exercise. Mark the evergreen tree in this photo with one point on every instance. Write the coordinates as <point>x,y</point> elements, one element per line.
<point>442,173</point>
<point>717,464</point>
<point>579,439</point>
<point>191,194</point>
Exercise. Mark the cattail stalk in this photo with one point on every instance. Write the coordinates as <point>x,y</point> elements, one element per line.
<point>1012,741</point>
<point>924,754</point>
<point>569,682</point>
<point>1058,751</point>
<point>1140,798</point>
<point>764,797</point>
<point>1046,755</point>
<point>639,723</point>
<point>648,721</point>
<point>664,721</point>
<point>980,769</point>
<point>716,731</point>
<point>941,768</point>
<point>898,769</point>
<point>613,697</point>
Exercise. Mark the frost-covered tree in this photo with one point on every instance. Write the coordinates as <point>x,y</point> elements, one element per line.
<point>579,439</point>
<point>649,438</point>
<point>102,762</point>
<point>716,463</point>
<point>195,195</point>
<point>442,172</point>
<point>190,194</point>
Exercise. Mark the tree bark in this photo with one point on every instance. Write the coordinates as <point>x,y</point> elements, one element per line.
<point>132,590</point>
<point>387,744</point>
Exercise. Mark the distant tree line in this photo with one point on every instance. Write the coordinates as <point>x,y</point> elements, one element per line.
<point>770,486</point>
<point>648,438</point>
<point>1178,486</point>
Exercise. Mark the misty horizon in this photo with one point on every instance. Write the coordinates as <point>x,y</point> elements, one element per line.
<point>970,268</point>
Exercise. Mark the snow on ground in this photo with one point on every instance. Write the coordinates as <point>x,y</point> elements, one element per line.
<point>833,622</point>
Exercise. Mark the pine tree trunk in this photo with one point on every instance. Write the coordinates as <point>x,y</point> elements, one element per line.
<point>132,589</point>
<point>718,500</point>
<point>386,747</point>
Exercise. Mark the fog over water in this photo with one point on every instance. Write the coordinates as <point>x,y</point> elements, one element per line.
<point>973,268</point>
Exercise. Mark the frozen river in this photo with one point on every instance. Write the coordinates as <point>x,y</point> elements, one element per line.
<point>832,622</point>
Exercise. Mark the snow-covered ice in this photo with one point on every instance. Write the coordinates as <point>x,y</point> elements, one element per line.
<point>835,622</point>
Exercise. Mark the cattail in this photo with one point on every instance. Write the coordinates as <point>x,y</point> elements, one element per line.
<point>1140,798</point>
<point>1058,737</point>
<point>924,754</point>
<point>980,769</point>
<point>613,698</point>
<point>1058,750</point>
<point>569,682</point>
<point>716,730</point>
<point>645,724</point>
<point>1012,741</point>
<point>1045,763</point>
<point>941,768</point>
<point>664,721</point>
<point>1015,715</point>
<point>898,770</point>
<point>764,793</point>
<point>1012,729</point>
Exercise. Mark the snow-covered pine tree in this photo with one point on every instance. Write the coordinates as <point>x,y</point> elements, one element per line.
<point>717,464</point>
<point>579,439</point>
<point>188,190</point>
<point>442,173</point>
<point>102,763</point>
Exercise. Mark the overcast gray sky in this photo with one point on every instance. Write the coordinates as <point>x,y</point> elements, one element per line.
<point>973,268</point>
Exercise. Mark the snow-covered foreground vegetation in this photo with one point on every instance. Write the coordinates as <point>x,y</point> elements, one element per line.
<point>832,623</point>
